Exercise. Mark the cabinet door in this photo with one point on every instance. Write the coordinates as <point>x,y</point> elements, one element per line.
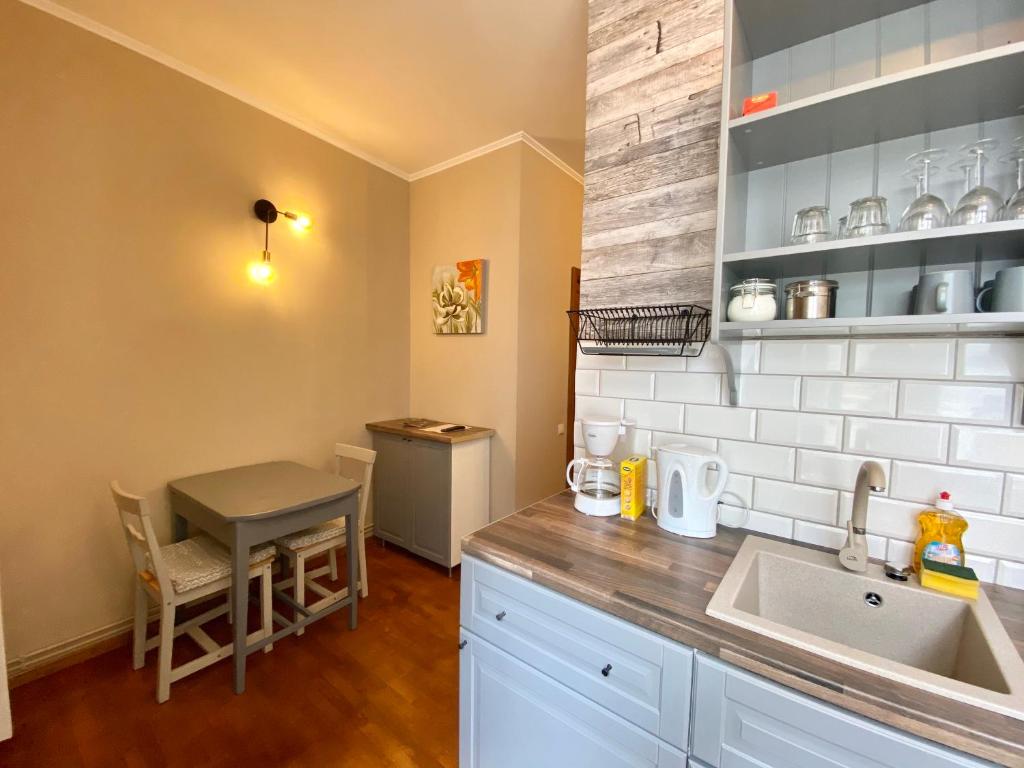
<point>745,721</point>
<point>511,716</point>
<point>429,484</point>
<point>392,512</point>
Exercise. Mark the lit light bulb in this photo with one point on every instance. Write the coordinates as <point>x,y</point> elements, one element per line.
<point>300,221</point>
<point>262,272</point>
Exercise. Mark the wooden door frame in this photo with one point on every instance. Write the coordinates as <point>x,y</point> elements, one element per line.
<point>570,406</point>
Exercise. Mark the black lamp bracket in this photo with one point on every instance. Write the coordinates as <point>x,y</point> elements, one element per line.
<point>265,211</point>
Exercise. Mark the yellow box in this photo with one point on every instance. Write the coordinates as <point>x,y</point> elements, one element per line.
<point>633,486</point>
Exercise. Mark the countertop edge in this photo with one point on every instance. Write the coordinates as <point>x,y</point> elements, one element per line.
<point>451,438</point>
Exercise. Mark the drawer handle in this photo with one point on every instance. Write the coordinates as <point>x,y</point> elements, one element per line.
<point>463,644</point>
<point>607,670</point>
<point>500,616</point>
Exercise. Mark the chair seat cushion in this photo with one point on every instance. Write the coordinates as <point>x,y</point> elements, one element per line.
<point>200,560</point>
<point>332,529</point>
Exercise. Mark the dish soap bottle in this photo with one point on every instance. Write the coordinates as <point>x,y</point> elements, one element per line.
<point>942,531</point>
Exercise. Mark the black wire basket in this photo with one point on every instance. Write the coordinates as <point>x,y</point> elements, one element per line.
<point>667,329</point>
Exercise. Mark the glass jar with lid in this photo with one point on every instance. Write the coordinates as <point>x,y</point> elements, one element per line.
<point>752,300</point>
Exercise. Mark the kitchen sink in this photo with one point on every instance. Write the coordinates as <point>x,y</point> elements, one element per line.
<point>936,642</point>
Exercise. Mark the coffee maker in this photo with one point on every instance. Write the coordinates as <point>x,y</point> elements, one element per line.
<point>595,478</point>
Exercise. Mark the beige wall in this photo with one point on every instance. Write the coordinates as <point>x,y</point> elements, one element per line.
<point>549,243</point>
<point>470,211</point>
<point>518,211</point>
<point>132,346</point>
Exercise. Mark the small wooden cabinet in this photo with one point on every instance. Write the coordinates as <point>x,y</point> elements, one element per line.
<point>427,492</point>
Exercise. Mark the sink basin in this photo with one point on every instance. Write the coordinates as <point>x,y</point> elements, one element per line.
<point>940,643</point>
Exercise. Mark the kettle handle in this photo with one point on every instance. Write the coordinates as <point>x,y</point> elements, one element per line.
<point>573,479</point>
<point>723,477</point>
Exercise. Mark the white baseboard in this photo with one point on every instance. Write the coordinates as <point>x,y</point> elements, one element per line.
<point>52,654</point>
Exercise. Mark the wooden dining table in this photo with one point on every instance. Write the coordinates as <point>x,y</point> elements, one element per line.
<point>243,507</point>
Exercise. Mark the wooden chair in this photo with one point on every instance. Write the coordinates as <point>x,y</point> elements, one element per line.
<point>195,569</point>
<point>301,546</point>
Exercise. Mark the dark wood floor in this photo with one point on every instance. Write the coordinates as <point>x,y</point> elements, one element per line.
<point>384,695</point>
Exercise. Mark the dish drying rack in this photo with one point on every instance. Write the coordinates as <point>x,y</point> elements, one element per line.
<point>676,330</point>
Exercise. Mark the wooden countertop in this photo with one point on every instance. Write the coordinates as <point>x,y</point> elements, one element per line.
<point>662,582</point>
<point>397,427</point>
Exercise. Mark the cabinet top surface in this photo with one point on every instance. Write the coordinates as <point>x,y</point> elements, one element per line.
<point>398,427</point>
<point>649,577</point>
<point>262,490</point>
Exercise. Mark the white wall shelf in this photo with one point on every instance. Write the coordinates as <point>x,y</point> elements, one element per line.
<point>966,89</point>
<point>999,235</point>
<point>781,24</point>
<point>992,323</point>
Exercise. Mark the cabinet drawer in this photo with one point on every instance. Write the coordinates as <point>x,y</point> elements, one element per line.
<point>742,720</point>
<point>512,716</point>
<point>635,674</point>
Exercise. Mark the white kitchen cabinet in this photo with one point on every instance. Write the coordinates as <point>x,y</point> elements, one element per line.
<point>744,721</point>
<point>512,716</point>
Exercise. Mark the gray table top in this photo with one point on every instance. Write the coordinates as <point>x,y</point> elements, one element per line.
<point>262,491</point>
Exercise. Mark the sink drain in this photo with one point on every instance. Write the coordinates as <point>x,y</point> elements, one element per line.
<point>873,599</point>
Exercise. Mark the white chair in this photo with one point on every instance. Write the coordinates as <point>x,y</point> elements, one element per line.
<point>174,575</point>
<point>301,546</point>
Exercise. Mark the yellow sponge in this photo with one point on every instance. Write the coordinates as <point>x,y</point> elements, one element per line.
<point>951,579</point>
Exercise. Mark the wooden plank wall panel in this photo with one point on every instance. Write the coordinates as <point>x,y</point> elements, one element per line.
<point>654,76</point>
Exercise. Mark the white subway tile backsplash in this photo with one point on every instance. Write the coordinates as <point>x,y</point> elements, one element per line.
<point>970,489</point>
<point>773,525</point>
<point>1013,497</point>
<point>952,401</point>
<point>652,414</point>
<point>1008,574</point>
<point>661,439</point>
<point>655,363</point>
<point>994,536</point>
<point>897,439</point>
<point>858,397</point>
<point>758,459</point>
<point>634,384</point>
<point>833,470</point>
<point>991,360</point>
<point>806,430</point>
<point>812,410</point>
<point>984,567</point>
<point>781,392</point>
<point>903,358</point>
<point>688,387</point>
<point>988,448</point>
<point>799,501</point>
<point>598,408</point>
<point>587,382</point>
<point>720,421</point>
<point>600,362</point>
<point>887,517</point>
<point>638,442</point>
<point>809,358</point>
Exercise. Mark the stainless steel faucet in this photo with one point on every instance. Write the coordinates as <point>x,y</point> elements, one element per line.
<point>854,555</point>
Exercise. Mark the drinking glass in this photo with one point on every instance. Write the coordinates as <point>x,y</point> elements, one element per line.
<point>927,211</point>
<point>980,204</point>
<point>1014,210</point>
<point>811,225</point>
<point>868,216</point>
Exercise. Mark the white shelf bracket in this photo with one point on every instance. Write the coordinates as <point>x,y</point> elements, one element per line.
<point>730,370</point>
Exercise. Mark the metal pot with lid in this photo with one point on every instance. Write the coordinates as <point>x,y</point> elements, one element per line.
<point>811,299</point>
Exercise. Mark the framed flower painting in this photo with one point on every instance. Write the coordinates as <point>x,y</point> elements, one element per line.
<point>457,297</point>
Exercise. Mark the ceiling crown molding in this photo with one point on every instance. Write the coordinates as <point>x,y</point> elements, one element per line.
<point>522,136</point>
<point>132,44</point>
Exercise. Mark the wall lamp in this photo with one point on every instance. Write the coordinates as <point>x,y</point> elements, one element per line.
<point>262,271</point>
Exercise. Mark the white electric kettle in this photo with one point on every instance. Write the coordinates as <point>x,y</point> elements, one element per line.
<point>685,505</point>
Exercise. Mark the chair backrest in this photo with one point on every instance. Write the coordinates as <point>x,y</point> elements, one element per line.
<point>366,457</point>
<point>142,543</point>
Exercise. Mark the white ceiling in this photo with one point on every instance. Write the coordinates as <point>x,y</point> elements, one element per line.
<point>406,83</point>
